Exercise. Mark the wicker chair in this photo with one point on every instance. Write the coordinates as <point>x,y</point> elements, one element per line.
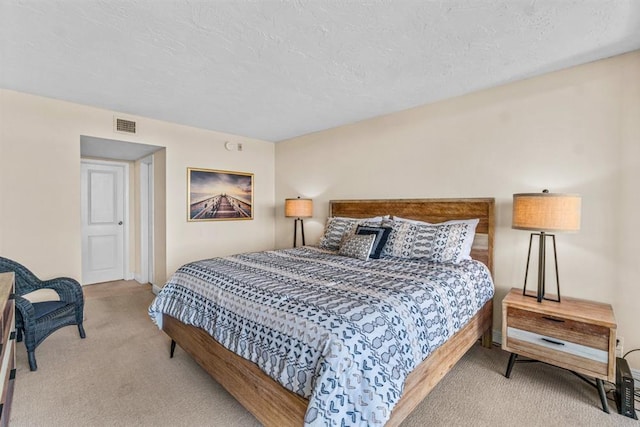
<point>38,320</point>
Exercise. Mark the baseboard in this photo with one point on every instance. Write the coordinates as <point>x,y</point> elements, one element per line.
<point>129,276</point>
<point>155,289</point>
<point>497,336</point>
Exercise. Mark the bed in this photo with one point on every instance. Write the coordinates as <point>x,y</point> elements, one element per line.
<point>298,399</point>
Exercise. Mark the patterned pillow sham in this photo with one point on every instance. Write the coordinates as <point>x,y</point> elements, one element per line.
<point>448,242</point>
<point>381,233</point>
<point>413,221</point>
<point>357,246</point>
<point>338,228</point>
<point>466,251</point>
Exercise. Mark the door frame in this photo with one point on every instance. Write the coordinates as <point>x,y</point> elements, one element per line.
<point>126,265</point>
<point>146,220</point>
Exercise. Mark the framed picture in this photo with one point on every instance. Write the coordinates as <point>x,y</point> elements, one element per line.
<point>216,195</point>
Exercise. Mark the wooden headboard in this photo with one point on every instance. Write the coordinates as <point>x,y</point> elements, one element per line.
<point>433,211</point>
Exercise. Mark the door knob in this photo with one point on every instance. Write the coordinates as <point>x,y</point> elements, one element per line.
<point>120,223</point>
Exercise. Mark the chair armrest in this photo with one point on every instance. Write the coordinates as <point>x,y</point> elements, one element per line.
<point>69,289</point>
<point>25,308</point>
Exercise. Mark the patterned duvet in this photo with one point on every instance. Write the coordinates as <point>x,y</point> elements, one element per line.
<point>341,332</point>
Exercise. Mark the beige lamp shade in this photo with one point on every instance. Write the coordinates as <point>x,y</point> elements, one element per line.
<point>547,212</point>
<point>298,208</point>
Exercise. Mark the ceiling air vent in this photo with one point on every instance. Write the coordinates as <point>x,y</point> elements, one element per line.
<point>125,126</point>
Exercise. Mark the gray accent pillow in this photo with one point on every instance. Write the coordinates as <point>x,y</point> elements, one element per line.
<point>357,246</point>
<point>338,228</point>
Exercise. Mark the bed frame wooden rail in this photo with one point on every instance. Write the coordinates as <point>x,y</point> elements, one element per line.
<point>271,403</point>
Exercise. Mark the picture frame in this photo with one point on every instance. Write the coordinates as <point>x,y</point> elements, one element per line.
<point>219,195</point>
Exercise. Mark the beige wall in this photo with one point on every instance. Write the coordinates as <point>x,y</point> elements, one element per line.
<point>40,185</point>
<point>571,131</point>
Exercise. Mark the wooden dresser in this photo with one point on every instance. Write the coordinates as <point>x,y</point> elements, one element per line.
<point>7,345</point>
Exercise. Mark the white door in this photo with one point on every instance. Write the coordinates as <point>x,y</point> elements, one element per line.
<point>102,222</point>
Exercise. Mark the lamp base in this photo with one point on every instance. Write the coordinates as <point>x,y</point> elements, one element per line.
<point>543,298</point>
<point>295,231</point>
<point>540,294</point>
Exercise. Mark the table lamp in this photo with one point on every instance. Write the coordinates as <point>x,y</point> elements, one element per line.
<point>298,208</point>
<point>545,212</point>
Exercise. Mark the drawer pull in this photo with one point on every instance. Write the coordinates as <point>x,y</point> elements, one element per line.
<point>552,341</point>
<point>552,319</point>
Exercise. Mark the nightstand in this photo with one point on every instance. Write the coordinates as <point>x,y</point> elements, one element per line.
<point>574,334</point>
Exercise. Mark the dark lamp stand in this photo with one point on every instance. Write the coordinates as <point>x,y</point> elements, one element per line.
<point>295,231</point>
<point>542,270</point>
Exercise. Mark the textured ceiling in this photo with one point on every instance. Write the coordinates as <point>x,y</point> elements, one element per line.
<point>277,69</point>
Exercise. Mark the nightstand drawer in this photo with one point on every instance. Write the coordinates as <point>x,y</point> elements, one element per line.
<point>560,329</point>
<point>575,358</point>
<point>554,344</point>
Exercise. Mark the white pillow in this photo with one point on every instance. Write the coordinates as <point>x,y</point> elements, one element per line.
<point>411,221</point>
<point>377,218</point>
<point>468,242</point>
<point>41,295</point>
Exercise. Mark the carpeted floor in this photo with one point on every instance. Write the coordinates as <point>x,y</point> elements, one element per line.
<point>121,375</point>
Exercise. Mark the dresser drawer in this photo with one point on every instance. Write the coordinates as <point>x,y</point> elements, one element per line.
<point>7,375</point>
<point>560,329</point>
<point>7,346</point>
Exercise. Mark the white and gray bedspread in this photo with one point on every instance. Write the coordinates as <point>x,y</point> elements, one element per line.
<point>341,332</point>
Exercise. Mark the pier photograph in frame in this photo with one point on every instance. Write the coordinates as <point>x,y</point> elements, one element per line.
<point>218,195</point>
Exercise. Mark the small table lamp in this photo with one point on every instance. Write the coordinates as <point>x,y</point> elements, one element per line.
<point>545,212</point>
<point>298,209</point>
